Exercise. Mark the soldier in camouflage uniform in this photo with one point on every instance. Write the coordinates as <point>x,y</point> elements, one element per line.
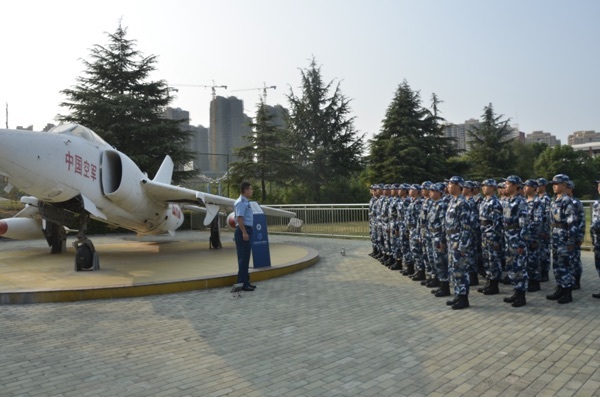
<point>412,220</point>
<point>397,217</point>
<point>468,192</point>
<point>407,257</point>
<point>372,219</point>
<point>545,244</point>
<point>379,221</point>
<point>436,216</point>
<point>564,237</point>
<point>432,280</point>
<point>580,222</point>
<point>595,232</point>
<point>515,236</point>
<point>385,226</point>
<point>535,220</point>
<point>492,236</point>
<point>459,238</point>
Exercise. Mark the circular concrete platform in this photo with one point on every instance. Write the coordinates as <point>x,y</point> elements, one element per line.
<point>129,268</point>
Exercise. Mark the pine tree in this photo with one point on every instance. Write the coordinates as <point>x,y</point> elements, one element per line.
<point>325,143</point>
<point>491,153</point>
<point>411,145</point>
<point>115,99</point>
<point>266,158</point>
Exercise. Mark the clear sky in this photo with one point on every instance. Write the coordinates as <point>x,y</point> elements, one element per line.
<point>537,61</point>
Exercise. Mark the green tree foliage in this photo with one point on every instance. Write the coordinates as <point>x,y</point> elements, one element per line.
<point>266,158</point>
<point>491,150</point>
<point>411,146</point>
<point>116,99</point>
<point>525,156</point>
<point>579,166</point>
<point>325,144</point>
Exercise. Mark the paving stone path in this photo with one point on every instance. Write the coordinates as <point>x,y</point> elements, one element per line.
<point>345,327</point>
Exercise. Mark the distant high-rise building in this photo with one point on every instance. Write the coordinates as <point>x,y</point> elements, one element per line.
<point>542,137</point>
<point>228,127</point>
<point>198,139</point>
<point>199,144</point>
<point>579,137</point>
<point>460,133</point>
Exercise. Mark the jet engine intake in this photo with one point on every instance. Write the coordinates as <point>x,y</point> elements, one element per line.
<point>120,180</point>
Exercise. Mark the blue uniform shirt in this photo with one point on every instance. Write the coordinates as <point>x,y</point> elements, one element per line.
<point>243,209</point>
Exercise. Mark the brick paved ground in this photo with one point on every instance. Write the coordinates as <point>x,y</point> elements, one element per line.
<point>345,327</point>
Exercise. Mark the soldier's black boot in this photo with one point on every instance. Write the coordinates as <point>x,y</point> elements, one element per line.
<point>512,298</point>
<point>444,289</point>
<point>506,280</point>
<point>519,299</point>
<point>397,265</point>
<point>410,269</point>
<point>419,275</point>
<point>577,284</point>
<point>433,282</point>
<point>545,277</point>
<point>452,301</point>
<point>534,286</point>
<point>597,296</point>
<point>492,289</point>
<point>390,261</point>
<point>473,279</point>
<point>556,294</point>
<point>487,284</point>
<point>566,296</point>
<point>461,303</point>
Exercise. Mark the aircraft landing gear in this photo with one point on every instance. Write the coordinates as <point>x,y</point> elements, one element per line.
<point>86,257</point>
<point>56,237</point>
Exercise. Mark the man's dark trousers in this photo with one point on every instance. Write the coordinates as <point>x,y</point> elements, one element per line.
<point>244,248</point>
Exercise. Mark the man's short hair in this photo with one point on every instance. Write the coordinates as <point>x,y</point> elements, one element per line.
<point>244,186</point>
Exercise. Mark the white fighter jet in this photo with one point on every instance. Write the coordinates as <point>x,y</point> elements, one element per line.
<point>71,174</point>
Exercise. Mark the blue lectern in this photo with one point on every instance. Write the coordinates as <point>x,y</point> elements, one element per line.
<point>261,257</point>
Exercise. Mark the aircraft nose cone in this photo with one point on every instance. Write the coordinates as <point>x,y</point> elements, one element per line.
<point>3,227</point>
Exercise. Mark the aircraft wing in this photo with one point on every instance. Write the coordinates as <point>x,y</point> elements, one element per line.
<point>176,194</point>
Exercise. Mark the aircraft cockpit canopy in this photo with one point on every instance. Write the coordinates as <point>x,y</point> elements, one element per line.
<point>79,131</point>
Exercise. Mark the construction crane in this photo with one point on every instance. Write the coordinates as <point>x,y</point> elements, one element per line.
<point>212,87</point>
<point>264,89</point>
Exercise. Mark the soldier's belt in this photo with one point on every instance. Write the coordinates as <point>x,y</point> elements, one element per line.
<point>560,225</point>
<point>486,223</point>
<point>452,231</point>
<point>512,227</point>
<point>435,229</point>
<point>412,225</point>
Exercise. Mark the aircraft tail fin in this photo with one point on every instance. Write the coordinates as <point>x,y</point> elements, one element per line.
<point>165,172</point>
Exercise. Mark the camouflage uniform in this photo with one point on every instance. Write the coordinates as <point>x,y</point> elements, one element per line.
<point>425,235</point>
<point>412,220</point>
<point>407,257</point>
<point>576,253</point>
<point>564,237</point>
<point>373,221</point>
<point>490,218</point>
<point>535,221</point>
<point>545,243</point>
<point>435,223</point>
<point>515,219</point>
<point>460,240</point>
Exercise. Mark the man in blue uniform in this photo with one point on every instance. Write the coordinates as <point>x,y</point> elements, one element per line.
<point>244,219</point>
<point>436,216</point>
